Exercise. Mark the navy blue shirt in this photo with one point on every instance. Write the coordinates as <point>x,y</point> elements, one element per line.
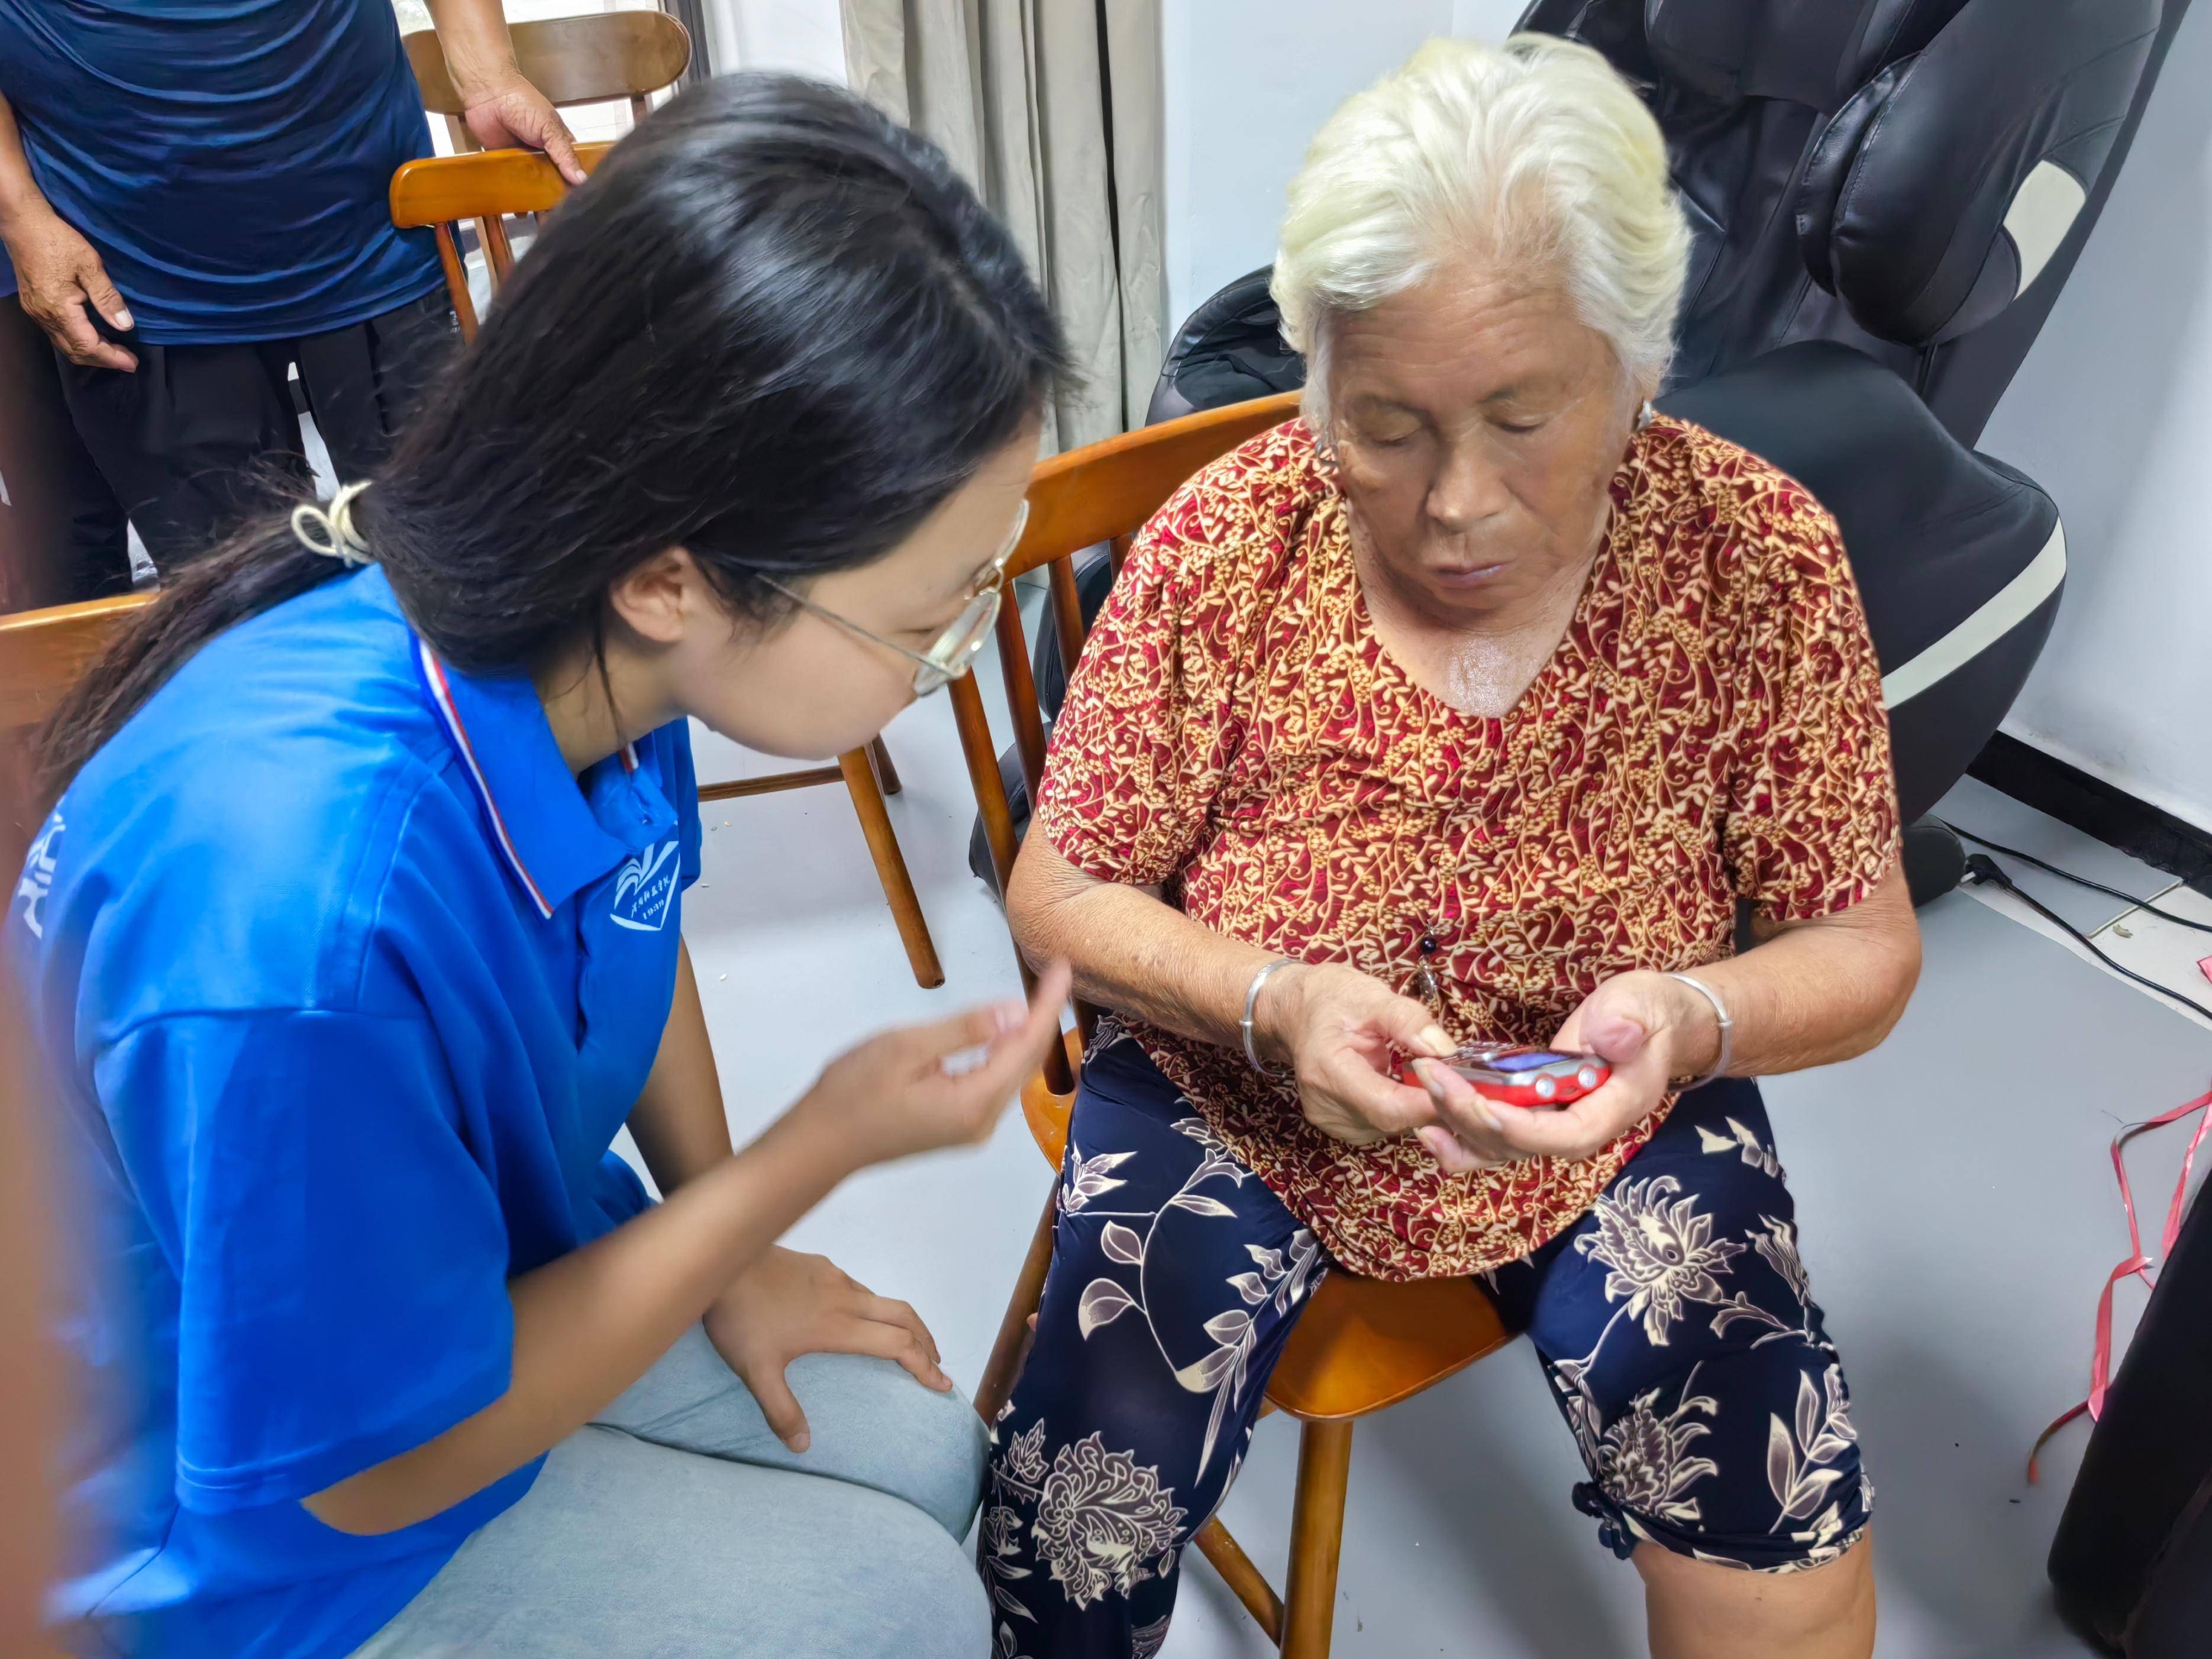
<point>347,984</point>
<point>229,159</point>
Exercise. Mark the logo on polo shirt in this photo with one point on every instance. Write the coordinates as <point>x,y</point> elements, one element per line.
<point>38,878</point>
<point>645,891</point>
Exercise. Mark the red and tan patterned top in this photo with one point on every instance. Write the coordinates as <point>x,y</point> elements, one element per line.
<point>1711,725</point>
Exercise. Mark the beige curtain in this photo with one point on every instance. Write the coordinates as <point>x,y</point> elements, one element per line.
<point>1052,108</point>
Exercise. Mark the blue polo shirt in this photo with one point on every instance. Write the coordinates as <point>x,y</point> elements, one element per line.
<point>347,986</point>
<point>231,160</point>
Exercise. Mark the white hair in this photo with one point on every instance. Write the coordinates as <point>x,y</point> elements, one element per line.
<point>1533,160</point>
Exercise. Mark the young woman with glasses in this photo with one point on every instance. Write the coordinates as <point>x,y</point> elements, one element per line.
<point>352,937</point>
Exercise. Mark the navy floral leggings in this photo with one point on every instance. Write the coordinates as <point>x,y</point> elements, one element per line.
<point>1674,1321</point>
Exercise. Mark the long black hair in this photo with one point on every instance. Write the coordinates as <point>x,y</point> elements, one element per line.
<point>774,328</point>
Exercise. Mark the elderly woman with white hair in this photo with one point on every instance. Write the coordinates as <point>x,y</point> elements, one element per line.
<point>1469,707</point>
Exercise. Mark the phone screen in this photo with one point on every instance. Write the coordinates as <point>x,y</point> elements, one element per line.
<point>1527,1062</point>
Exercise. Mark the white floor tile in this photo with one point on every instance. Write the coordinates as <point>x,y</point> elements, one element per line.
<point>2011,905</point>
<point>2164,951</point>
<point>1973,806</point>
<point>2151,946</point>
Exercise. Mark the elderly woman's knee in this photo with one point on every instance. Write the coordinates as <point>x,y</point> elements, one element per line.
<point>924,1447</point>
<point>1778,1610</point>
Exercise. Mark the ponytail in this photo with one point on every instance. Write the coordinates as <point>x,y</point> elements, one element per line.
<point>263,565</point>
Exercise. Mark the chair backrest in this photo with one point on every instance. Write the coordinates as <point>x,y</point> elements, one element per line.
<point>442,190</point>
<point>572,60</point>
<point>1104,492</point>
<point>41,654</point>
<point>1912,179</point>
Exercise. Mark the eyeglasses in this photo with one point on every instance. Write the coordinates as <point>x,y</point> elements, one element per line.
<point>963,638</point>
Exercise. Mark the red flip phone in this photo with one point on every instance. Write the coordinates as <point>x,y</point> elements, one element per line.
<point>1513,1074</point>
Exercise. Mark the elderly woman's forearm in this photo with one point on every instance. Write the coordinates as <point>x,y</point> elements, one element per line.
<point>1818,992</point>
<point>1131,950</point>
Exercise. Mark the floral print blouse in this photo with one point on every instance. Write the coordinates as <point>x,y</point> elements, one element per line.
<point>1710,727</point>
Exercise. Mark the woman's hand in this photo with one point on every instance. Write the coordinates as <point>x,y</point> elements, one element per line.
<point>893,1095</point>
<point>1650,1028</point>
<point>787,1305</point>
<point>589,1323</point>
<point>1342,1031</point>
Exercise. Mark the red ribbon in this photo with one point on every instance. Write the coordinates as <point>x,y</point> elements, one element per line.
<point>2138,1264</point>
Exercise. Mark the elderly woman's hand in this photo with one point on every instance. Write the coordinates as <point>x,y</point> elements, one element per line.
<point>1342,1031</point>
<point>1651,1029</point>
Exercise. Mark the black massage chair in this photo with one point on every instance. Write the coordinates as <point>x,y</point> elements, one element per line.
<point>1886,196</point>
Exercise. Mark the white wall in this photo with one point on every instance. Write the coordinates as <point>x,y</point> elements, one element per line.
<point>800,35</point>
<point>2113,413</point>
<point>1247,83</point>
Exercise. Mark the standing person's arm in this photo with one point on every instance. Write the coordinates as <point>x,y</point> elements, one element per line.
<point>59,276</point>
<point>788,1302</point>
<point>504,111</point>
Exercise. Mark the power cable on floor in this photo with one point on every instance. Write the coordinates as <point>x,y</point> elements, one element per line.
<point>1981,867</point>
<point>2079,881</point>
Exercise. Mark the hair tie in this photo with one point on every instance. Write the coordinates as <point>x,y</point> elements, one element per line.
<point>340,540</point>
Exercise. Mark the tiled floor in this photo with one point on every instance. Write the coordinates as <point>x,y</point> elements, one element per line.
<point>2168,951</point>
<point>2158,947</point>
<point>1957,1211</point>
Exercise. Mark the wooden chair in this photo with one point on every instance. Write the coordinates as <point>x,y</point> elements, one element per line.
<point>592,59</point>
<point>491,184</point>
<point>41,654</point>
<point>1361,1344</point>
<point>572,60</point>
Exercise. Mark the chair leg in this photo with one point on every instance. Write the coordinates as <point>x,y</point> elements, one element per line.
<point>1008,1352</point>
<point>890,867</point>
<point>1316,1539</point>
<point>886,774</point>
<point>1238,1571</point>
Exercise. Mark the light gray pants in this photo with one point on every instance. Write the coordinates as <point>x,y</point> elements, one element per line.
<point>679,1526</point>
